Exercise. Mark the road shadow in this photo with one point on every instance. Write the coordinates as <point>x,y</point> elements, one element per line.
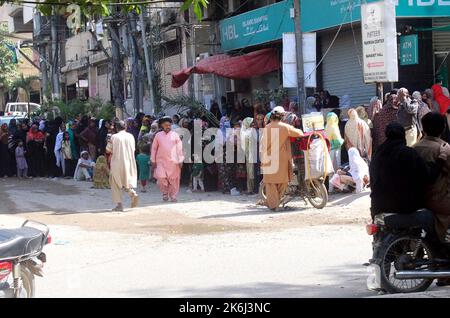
<point>347,198</point>
<point>348,281</point>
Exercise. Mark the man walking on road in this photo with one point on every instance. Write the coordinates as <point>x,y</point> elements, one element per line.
<point>276,157</point>
<point>123,166</point>
<point>167,159</point>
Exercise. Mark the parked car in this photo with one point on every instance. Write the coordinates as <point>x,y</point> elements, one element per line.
<point>21,109</point>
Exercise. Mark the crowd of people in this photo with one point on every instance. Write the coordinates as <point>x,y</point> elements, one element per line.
<point>78,148</point>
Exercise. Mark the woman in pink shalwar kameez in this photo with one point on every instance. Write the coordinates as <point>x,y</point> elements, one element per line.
<point>167,159</point>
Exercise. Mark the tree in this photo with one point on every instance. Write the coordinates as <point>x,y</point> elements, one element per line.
<point>102,7</point>
<point>24,83</point>
<point>8,61</point>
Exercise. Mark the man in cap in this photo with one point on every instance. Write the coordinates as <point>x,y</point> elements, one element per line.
<point>167,159</point>
<point>123,174</point>
<point>276,157</point>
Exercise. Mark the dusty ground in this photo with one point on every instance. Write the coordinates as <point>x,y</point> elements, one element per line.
<point>206,245</point>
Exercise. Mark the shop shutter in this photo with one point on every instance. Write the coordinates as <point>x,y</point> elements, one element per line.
<point>441,39</point>
<point>342,73</point>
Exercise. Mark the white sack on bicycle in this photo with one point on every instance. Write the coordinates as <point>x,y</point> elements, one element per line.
<point>317,160</point>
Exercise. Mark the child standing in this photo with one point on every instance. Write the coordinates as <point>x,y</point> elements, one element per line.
<point>143,162</point>
<point>197,175</point>
<point>67,156</point>
<point>22,166</point>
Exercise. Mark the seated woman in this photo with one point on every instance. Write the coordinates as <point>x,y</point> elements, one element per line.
<point>355,174</point>
<point>101,173</point>
<point>84,169</point>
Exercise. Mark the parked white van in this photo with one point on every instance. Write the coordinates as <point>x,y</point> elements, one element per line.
<point>20,109</point>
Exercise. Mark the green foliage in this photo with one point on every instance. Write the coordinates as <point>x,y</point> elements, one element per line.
<point>8,69</point>
<point>184,104</point>
<point>94,107</point>
<point>90,8</point>
<point>24,83</point>
<point>265,96</point>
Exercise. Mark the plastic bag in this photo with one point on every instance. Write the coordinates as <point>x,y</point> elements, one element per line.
<point>317,160</point>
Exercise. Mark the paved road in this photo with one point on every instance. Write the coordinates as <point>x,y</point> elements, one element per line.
<point>207,245</point>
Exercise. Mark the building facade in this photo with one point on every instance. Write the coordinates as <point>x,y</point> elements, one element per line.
<point>423,38</point>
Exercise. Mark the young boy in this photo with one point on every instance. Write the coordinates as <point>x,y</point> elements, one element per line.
<point>197,175</point>
<point>143,163</point>
<point>22,167</point>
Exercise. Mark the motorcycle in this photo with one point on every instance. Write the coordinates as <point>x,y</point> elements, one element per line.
<point>407,256</point>
<point>21,258</point>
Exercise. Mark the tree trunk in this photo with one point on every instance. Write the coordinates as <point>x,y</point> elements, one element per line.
<point>117,68</point>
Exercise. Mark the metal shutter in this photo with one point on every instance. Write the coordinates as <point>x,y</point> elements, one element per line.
<point>441,39</point>
<point>342,73</point>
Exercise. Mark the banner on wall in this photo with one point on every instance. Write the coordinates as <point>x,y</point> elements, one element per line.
<point>290,60</point>
<point>379,42</point>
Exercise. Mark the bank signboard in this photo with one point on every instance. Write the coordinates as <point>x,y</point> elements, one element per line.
<point>409,49</point>
<point>323,14</point>
<point>255,27</point>
<point>379,37</point>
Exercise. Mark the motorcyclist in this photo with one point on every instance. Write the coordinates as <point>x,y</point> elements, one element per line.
<point>399,178</point>
<point>432,149</point>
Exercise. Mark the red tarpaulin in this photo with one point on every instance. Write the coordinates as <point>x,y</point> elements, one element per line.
<point>234,67</point>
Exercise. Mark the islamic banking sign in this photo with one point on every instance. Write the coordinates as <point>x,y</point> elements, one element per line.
<point>255,27</point>
<point>379,37</point>
<point>323,14</point>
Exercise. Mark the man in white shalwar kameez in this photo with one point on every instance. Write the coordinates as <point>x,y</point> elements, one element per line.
<point>123,175</point>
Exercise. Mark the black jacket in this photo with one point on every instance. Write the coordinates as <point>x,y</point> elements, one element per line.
<point>398,178</point>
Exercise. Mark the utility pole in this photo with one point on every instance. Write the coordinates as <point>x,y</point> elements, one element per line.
<point>42,60</point>
<point>148,64</point>
<point>299,49</point>
<point>135,65</point>
<point>117,66</point>
<point>56,88</point>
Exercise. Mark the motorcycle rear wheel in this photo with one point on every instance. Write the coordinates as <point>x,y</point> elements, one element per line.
<point>403,247</point>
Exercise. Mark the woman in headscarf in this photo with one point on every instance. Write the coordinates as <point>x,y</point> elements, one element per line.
<point>133,128</point>
<point>237,112</point>
<point>102,135</point>
<point>441,98</point>
<point>145,128</point>
<point>357,134</point>
<point>5,156</point>
<point>354,175</point>
<point>101,173</point>
<point>359,170</point>
<point>428,98</point>
<point>89,136</point>
<point>334,135</point>
<point>36,151</point>
<point>215,110</point>
<point>422,110</point>
<point>12,128</point>
<point>362,113</point>
<point>248,145</point>
<point>375,106</point>
<point>70,127</point>
<point>84,169</point>
<point>311,104</point>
